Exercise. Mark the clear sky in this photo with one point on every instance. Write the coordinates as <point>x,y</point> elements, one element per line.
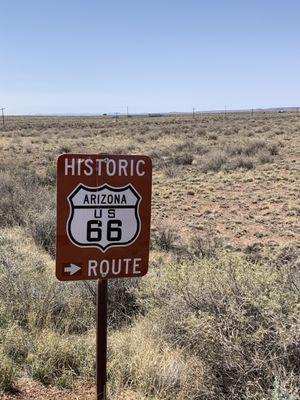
<point>93,56</point>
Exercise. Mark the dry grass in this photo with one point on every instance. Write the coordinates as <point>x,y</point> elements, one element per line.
<point>247,163</point>
<point>237,320</point>
<point>216,318</point>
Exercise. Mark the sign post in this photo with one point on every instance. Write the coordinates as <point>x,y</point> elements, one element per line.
<point>103,227</point>
<point>101,339</point>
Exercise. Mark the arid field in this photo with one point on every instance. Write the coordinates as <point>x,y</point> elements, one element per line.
<point>217,316</point>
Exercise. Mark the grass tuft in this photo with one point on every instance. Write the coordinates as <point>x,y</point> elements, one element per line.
<point>7,373</point>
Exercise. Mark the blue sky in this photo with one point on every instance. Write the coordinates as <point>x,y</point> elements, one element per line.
<point>93,56</point>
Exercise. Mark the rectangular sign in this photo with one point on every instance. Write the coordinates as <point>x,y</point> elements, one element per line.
<point>103,216</point>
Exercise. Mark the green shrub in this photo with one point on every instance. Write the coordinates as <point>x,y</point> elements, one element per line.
<point>65,149</point>
<point>241,162</point>
<point>31,296</point>
<point>27,201</point>
<point>183,158</point>
<point>248,148</point>
<point>122,304</point>
<point>273,149</point>
<point>213,161</point>
<point>212,136</point>
<point>253,147</point>
<point>238,318</point>
<point>205,245</point>
<point>12,201</point>
<point>139,360</point>
<point>46,325</point>
<point>58,359</point>
<point>170,170</point>
<point>42,227</point>
<point>50,177</point>
<point>7,373</point>
<point>264,157</point>
<point>239,155</point>
<point>15,343</point>
<point>166,238</point>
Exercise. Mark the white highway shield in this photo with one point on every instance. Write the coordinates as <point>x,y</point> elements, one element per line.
<point>104,216</point>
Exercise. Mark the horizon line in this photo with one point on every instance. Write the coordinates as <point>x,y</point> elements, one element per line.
<point>159,113</point>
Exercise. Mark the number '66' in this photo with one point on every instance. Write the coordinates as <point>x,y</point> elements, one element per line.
<point>94,230</point>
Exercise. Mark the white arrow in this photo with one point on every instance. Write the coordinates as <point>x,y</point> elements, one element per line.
<point>72,269</point>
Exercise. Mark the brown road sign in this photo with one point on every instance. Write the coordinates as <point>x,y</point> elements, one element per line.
<point>103,216</point>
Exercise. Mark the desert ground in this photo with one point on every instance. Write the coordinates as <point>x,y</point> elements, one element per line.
<point>217,315</point>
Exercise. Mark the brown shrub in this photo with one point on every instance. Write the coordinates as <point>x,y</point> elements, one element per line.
<point>213,161</point>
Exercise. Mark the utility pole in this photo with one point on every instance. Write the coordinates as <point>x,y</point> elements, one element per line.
<point>252,111</point>
<point>3,120</point>
<point>193,113</point>
<point>225,111</point>
<point>127,112</point>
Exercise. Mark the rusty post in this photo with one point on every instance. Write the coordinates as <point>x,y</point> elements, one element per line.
<point>101,339</point>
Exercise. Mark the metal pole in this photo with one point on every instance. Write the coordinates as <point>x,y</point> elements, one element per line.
<point>101,339</point>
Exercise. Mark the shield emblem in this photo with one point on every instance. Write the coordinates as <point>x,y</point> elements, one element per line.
<point>104,216</point>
